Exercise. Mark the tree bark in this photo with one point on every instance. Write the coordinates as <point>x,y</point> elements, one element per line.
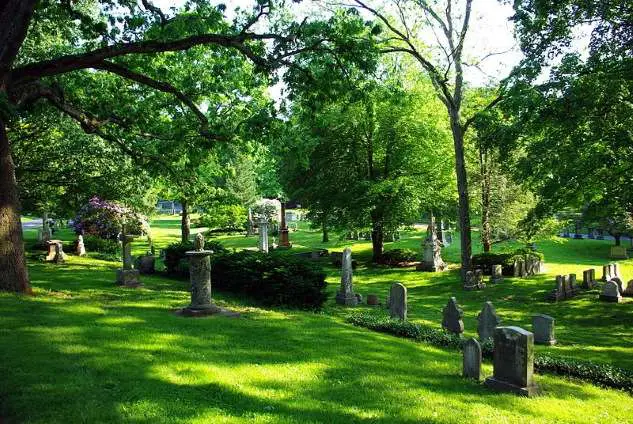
<point>485,202</point>
<point>326,236</point>
<point>377,240</point>
<point>185,223</point>
<point>618,239</point>
<point>462,189</point>
<point>13,274</point>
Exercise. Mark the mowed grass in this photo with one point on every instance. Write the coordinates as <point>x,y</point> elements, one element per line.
<point>84,350</point>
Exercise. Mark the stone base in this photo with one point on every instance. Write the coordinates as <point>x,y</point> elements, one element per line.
<point>128,278</point>
<point>612,299</point>
<point>347,301</point>
<point>504,386</point>
<point>206,310</point>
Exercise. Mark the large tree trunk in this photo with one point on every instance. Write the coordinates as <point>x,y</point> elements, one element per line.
<point>326,236</point>
<point>485,202</point>
<point>13,274</point>
<point>185,222</point>
<point>618,239</point>
<point>377,240</point>
<point>462,189</point>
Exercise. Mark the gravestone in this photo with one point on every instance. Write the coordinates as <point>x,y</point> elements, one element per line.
<point>589,279</point>
<point>618,252</point>
<point>284,238</point>
<point>562,290</point>
<point>452,316</point>
<point>398,301</point>
<point>432,251</point>
<point>543,329</point>
<point>628,292</point>
<point>487,321</point>
<point>146,264</point>
<point>606,272</point>
<point>615,270</point>
<point>263,236</point>
<point>345,295</point>
<point>55,251</point>
<point>611,292</point>
<point>472,360</point>
<point>619,282</point>
<point>372,300</point>
<point>497,274</point>
<point>573,287</point>
<point>200,279</point>
<point>250,225</point>
<point>127,276</point>
<point>513,362</point>
<point>81,248</point>
<point>474,280</point>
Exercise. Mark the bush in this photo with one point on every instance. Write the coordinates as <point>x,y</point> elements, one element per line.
<point>175,259</point>
<point>225,217</point>
<point>106,220</point>
<point>99,245</point>
<point>272,279</point>
<point>398,256</point>
<point>485,261</point>
<point>598,374</point>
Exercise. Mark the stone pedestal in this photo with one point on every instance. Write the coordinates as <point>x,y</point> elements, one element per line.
<point>284,239</point>
<point>431,251</point>
<point>55,252</point>
<point>81,248</point>
<point>345,294</point>
<point>263,236</point>
<point>127,276</point>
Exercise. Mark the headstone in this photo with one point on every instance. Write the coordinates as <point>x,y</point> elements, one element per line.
<point>452,316</point>
<point>559,292</point>
<point>619,282</point>
<point>55,251</point>
<point>263,236</point>
<point>573,287</point>
<point>345,295</point>
<point>432,251</point>
<point>81,248</point>
<point>284,239</point>
<point>513,361</point>
<point>372,300</point>
<point>473,280</point>
<point>497,274</point>
<point>250,225</point>
<point>516,269</point>
<point>615,270</point>
<point>522,268</point>
<point>398,301</point>
<point>127,276</point>
<point>611,292</point>
<point>628,292</point>
<point>543,329</point>
<point>606,272</point>
<point>487,321</point>
<point>146,264</point>
<point>472,359</point>
<point>618,252</point>
<point>589,279</point>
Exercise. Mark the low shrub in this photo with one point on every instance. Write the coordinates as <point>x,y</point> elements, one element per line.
<point>485,261</point>
<point>272,279</point>
<point>398,256</point>
<point>224,217</point>
<point>175,259</point>
<point>99,245</point>
<point>599,374</point>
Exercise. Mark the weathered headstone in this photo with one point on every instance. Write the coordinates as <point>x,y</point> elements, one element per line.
<point>398,301</point>
<point>628,292</point>
<point>127,276</point>
<point>345,295</point>
<point>513,361</point>
<point>589,279</point>
<point>262,225</point>
<point>473,280</point>
<point>81,248</point>
<point>55,251</point>
<point>497,274</point>
<point>606,272</point>
<point>250,225</point>
<point>372,300</point>
<point>452,316</point>
<point>559,291</point>
<point>146,264</point>
<point>615,270</point>
<point>543,329</point>
<point>487,321</point>
<point>611,292</point>
<point>472,359</point>
<point>284,238</point>
<point>618,252</point>
<point>619,282</point>
<point>573,287</point>
<point>432,251</point>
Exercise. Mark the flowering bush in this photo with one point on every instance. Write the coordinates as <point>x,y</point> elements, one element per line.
<point>106,219</point>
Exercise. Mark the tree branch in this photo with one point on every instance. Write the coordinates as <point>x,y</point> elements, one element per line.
<point>489,106</point>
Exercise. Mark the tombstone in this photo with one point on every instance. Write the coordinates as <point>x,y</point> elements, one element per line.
<point>81,248</point>
<point>55,251</point>
<point>250,225</point>
<point>452,316</point>
<point>127,276</point>
<point>615,270</point>
<point>606,272</point>
<point>200,278</point>
<point>497,274</point>
<point>618,252</point>
<point>345,295</point>
<point>146,264</point>
<point>487,321</point>
<point>611,292</point>
<point>432,251</point>
<point>284,240</point>
<point>473,280</point>
<point>372,300</point>
<point>589,279</point>
<point>559,291</point>
<point>516,269</point>
<point>472,359</point>
<point>263,235</point>
<point>619,282</point>
<point>628,292</point>
<point>573,287</point>
<point>513,362</point>
<point>543,329</point>
<point>522,268</point>
<point>398,301</point>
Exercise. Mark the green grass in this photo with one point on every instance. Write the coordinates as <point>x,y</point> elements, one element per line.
<point>84,350</point>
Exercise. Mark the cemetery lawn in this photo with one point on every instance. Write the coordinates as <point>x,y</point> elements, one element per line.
<point>85,350</point>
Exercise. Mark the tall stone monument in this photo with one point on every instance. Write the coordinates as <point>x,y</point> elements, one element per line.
<point>262,224</point>
<point>452,316</point>
<point>487,321</point>
<point>284,240</point>
<point>346,295</point>
<point>398,301</point>
<point>513,362</point>
<point>250,230</point>
<point>431,251</point>
<point>81,248</point>
<point>127,276</point>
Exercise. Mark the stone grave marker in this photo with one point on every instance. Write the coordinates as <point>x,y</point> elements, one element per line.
<point>611,292</point>
<point>543,329</point>
<point>81,248</point>
<point>472,359</point>
<point>628,292</point>
<point>55,251</point>
<point>398,301</point>
<point>346,295</point>
<point>127,276</point>
<point>497,274</point>
<point>606,272</point>
<point>589,279</point>
<point>618,252</point>
<point>431,250</point>
<point>452,316</point>
<point>487,321</point>
<point>513,362</point>
<point>262,226</point>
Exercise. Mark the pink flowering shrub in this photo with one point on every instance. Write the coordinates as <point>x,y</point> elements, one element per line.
<point>106,220</point>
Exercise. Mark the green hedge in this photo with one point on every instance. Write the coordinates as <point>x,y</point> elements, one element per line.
<point>398,256</point>
<point>485,261</point>
<point>599,374</point>
<point>99,245</point>
<point>272,279</point>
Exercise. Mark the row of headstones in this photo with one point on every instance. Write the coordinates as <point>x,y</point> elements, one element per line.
<point>56,252</point>
<point>613,289</point>
<point>528,267</point>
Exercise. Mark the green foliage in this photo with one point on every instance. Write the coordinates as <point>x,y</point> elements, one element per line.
<point>224,217</point>
<point>107,220</point>
<point>398,256</point>
<point>485,261</point>
<point>176,261</point>
<point>101,245</point>
<point>271,279</point>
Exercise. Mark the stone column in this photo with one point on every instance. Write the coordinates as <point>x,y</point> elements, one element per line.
<point>263,235</point>
<point>249,225</point>
<point>81,249</point>
<point>127,276</point>
<point>345,295</point>
<point>284,241</point>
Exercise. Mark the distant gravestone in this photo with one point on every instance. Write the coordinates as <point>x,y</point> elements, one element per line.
<point>474,280</point>
<point>618,252</point>
<point>611,292</point>
<point>559,292</point>
<point>398,301</point>
<point>487,321</point>
<point>345,295</point>
<point>472,359</point>
<point>81,248</point>
<point>606,272</point>
<point>589,279</point>
<point>615,270</point>
<point>543,329</point>
<point>127,276</point>
<point>497,274</point>
<point>452,317</point>
<point>619,282</point>
<point>431,250</point>
<point>262,226</point>
<point>372,300</point>
<point>513,361</point>
<point>55,252</point>
<point>628,292</point>
<point>572,284</point>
